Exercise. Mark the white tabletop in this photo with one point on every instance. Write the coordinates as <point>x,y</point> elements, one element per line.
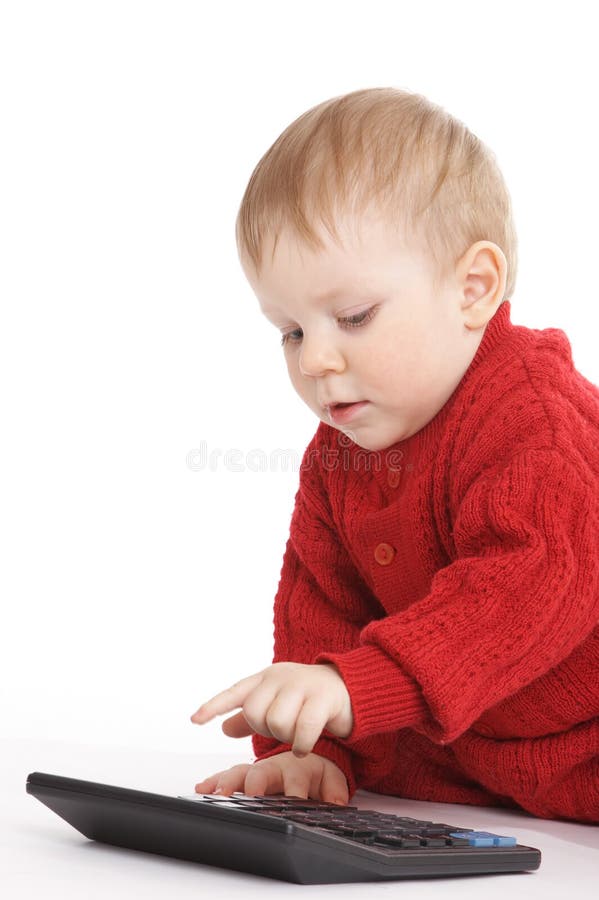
<point>42,855</point>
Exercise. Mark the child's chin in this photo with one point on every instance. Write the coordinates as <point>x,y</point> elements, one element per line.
<point>360,440</point>
<point>376,444</point>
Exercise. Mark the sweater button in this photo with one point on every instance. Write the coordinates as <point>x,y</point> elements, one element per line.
<point>393,477</point>
<point>384,554</point>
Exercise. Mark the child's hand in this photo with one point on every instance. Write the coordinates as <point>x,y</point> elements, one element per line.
<point>313,776</point>
<point>288,701</point>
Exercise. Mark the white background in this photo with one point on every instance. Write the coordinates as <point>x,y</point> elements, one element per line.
<point>133,587</point>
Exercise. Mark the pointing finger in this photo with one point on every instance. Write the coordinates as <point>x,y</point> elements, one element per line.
<point>227,700</point>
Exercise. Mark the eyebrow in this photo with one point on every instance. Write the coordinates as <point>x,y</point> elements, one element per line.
<point>330,295</point>
<point>318,299</point>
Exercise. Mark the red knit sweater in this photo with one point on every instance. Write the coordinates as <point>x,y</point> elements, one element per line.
<point>453,579</point>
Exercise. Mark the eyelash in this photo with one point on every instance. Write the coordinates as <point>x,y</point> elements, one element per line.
<point>349,321</point>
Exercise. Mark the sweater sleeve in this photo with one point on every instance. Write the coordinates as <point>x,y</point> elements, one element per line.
<point>322,604</point>
<point>521,594</point>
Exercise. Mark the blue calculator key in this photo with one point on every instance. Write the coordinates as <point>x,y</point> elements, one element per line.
<point>505,841</point>
<point>485,839</point>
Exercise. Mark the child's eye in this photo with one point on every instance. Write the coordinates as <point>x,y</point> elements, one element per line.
<point>348,321</point>
<point>287,338</point>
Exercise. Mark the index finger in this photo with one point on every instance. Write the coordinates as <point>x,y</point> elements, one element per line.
<point>227,700</point>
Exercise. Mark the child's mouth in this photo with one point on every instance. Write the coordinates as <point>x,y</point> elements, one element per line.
<point>343,412</point>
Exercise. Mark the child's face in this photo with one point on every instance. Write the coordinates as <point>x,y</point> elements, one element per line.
<point>406,357</point>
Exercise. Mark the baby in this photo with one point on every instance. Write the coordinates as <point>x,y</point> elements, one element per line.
<point>437,614</point>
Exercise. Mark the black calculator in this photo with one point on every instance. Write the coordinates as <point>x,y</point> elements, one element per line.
<point>288,838</point>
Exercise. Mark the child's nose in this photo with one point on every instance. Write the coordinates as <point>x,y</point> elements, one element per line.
<point>319,354</point>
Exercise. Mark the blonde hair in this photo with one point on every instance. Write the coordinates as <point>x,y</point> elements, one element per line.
<point>422,168</point>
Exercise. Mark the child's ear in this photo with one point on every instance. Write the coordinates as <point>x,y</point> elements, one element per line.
<point>481,274</point>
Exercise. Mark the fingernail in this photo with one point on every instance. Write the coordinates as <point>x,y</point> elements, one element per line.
<point>217,790</point>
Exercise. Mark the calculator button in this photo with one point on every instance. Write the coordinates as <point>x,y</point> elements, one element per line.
<point>412,840</point>
<point>393,840</point>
